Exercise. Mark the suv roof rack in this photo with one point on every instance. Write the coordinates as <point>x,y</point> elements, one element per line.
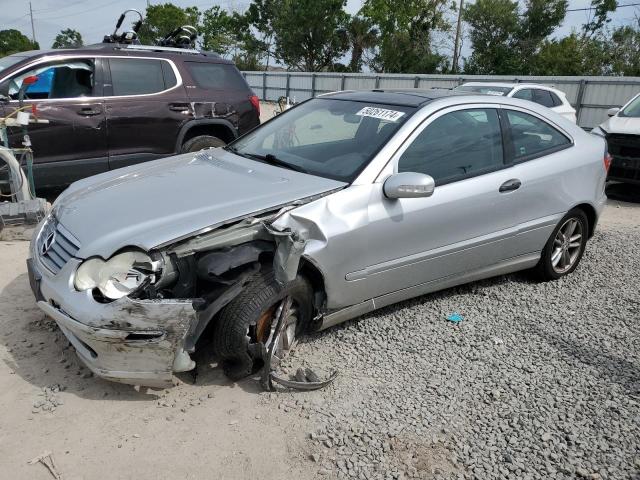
<point>155,48</point>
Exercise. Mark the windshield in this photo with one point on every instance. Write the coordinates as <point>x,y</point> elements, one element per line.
<point>325,137</point>
<point>631,110</point>
<point>484,89</point>
<point>6,62</point>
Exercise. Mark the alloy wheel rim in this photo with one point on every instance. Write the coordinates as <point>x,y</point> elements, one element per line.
<point>567,246</point>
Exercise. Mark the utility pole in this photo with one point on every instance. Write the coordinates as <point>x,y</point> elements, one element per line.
<point>456,47</point>
<point>33,29</point>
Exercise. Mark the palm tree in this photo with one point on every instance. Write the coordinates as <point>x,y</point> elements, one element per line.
<point>362,36</point>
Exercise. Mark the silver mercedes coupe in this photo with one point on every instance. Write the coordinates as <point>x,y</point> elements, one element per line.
<point>342,205</point>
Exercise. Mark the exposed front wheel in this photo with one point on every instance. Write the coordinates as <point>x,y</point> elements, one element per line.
<point>565,247</point>
<point>248,319</point>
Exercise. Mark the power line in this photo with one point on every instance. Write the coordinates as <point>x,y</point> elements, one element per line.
<point>83,11</point>
<point>593,8</point>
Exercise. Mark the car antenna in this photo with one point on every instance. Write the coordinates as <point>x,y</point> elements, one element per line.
<point>128,37</point>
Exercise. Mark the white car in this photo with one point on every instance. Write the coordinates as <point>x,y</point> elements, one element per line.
<point>622,132</point>
<point>549,97</point>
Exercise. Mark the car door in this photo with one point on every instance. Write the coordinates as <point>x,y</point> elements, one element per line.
<point>70,140</point>
<point>464,226</point>
<point>146,106</point>
<point>543,161</point>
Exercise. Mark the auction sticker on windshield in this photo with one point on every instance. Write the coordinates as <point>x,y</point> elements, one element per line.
<point>381,113</point>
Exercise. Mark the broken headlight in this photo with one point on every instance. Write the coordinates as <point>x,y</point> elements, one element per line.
<point>117,277</point>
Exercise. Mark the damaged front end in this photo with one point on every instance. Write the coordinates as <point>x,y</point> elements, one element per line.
<point>137,317</point>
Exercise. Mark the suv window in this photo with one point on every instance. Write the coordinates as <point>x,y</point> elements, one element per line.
<point>70,79</point>
<point>533,137</point>
<point>216,75</point>
<point>456,145</point>
<point>556,100</point>
<point>524,94</point>
<point>137,76</point>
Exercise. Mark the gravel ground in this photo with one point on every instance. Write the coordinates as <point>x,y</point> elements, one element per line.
<point>539,381</point>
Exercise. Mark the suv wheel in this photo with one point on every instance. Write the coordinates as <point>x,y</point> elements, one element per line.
<point>565,247</point>
<point>201,142</point>
<point>246,321</point>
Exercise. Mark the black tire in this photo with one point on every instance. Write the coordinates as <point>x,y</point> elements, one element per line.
<point>201,142</point>
<point>235,329</point>
<point>545,269</point>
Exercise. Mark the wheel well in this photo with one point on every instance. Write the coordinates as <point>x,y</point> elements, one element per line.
<point>311,273</point>
<point>590,212</point>
<point>222,132</point>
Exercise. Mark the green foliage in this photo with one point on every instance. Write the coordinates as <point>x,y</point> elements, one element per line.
<point>12,41</point>
<point>624,49</point>
<point>571,55</point>
<point>406,28</point>
<point>362,36</point>
<point>504,41</point>
<point>602,9</point>
<point>162,19</point>
<point>68,38</point>
<point>217,31</point>
<point>310,35</point>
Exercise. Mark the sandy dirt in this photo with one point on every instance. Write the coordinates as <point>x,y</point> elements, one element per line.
<point>210,429</point>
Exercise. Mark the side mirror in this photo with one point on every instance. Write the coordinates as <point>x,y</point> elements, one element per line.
<point>613,111</point>
<point>409,185</point>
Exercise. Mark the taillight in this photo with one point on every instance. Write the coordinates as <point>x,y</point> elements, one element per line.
<point>255,101</point>
<point>607,161</point>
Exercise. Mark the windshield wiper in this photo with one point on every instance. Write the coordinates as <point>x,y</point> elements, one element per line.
<point>271,160</point>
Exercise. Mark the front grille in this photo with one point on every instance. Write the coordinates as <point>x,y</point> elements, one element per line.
<point>55,245</point>
<point>621,145</point>
<point>625,150</point>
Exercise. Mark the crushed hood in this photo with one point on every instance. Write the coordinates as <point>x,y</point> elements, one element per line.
<point>626,125</point>
<point>154,203</point>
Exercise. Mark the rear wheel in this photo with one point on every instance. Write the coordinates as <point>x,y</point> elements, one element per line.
<point>565,247</point>
<point>201,142</point>
<point>247,321</point>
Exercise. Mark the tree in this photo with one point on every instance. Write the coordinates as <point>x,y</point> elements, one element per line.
<point>162,19</point>
<point>493,31</point>
<point>217,30</point>
<point>602,9</point>
<point>12,41</point>
<point>310,35</point>
<point>362,36</point>
<point>406,28</point>
<point>504,41</point>
<point>624,50</point>
<point>68,38</point>
<point>571,55</point>
<point>259,18</point>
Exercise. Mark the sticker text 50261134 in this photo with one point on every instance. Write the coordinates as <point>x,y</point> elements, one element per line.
<point>381,113</point>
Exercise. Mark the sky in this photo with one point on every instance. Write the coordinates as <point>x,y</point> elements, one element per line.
<point>95,18</point>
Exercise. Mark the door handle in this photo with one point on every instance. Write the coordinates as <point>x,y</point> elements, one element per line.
<point>179,107</point>
<point>88,111</point>
<point>510,185</point>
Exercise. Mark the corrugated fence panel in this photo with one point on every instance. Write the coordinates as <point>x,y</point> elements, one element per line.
<point>591,96</point>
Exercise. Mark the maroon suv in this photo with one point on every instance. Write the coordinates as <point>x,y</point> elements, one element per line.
<point>109,106</point>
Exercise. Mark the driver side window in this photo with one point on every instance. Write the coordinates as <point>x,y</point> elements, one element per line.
<point>455,146</point>
<point>71,79</point>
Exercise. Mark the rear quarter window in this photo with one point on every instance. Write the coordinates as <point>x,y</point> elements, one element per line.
<point>219,76</point>
<point>533,137</point>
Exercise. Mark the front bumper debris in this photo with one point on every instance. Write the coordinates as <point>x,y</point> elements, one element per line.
<point>139,342</point>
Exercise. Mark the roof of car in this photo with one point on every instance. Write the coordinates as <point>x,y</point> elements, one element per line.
<point>409,97</point>
<point>117,49</point>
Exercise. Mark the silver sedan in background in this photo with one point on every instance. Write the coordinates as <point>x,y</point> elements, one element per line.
<point>342,205</point>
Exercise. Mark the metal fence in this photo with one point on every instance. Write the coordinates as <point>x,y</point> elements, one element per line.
<point>590,96</point>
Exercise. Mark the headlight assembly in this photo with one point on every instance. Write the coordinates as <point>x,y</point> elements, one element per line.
<point>119,276</point>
